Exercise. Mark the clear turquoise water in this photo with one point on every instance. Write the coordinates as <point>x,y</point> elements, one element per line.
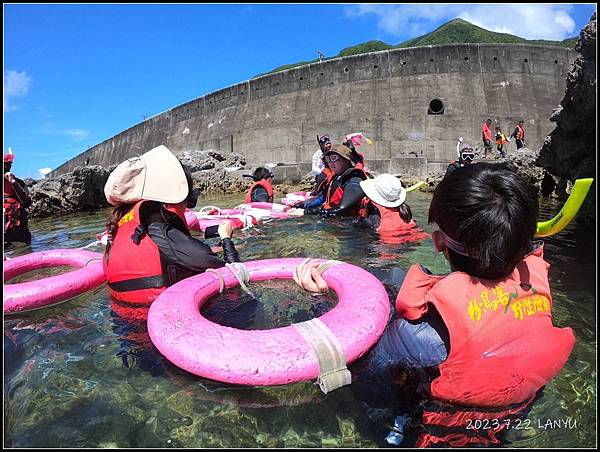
<point>77,376</point>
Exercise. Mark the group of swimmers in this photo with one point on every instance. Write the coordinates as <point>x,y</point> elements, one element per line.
<point>486,328</point>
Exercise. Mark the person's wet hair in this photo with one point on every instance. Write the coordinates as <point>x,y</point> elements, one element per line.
<point>192,197</point>
<point>261,173</point>
<point>492,212</point>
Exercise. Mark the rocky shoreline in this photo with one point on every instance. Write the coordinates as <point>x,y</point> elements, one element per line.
<point>212,173</point>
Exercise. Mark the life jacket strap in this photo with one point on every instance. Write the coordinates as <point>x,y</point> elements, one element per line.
<point>145,282</point>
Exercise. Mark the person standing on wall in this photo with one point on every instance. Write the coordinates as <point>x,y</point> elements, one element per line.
<point>16,200</point>
<point>486,136</point>
<point>317,158</point>
<point>519,135</point>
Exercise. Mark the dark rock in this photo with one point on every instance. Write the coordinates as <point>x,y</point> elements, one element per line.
<point>569,152</point>
<point>80,190</point>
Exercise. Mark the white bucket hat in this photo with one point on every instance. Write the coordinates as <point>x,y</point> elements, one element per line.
<point>385,189</point>
<point>156,175</point>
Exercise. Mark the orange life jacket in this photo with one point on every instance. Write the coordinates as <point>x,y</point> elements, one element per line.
<point>503,346</point>
<point>500,138</point>
<point>264,183</point>
<point>335,191</point>
<point>390,222</point>
<point>520,132</point>
<point>133,265</point>
<point>11,207</point>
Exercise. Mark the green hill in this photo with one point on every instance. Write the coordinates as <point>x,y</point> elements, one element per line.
<point>457,31</point>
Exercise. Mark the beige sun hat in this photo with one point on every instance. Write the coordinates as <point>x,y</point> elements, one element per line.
<point>156,175</point>
<point>385,189</point>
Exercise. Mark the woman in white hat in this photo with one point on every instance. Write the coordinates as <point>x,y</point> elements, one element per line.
<point>385,211</point>
<point>150,246</point>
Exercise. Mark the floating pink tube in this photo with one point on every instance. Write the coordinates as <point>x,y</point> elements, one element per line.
<point>31,295</point>
<point>272,206</point>
<point>292,198</point>
<point>198,222</point>
<point>264,357</point>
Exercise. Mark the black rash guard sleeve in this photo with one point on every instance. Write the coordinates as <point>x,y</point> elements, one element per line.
<point>229,252</point>
<point>353,193</point>
<point>259,194</point>
<point>182,249</point>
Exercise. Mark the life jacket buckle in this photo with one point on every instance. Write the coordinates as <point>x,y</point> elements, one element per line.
<point>138,234</point>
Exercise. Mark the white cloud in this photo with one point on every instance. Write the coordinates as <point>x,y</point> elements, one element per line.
<point>43,171</point>
<point>16,84</point>
<point>529,21</point>
<point>76,135</point>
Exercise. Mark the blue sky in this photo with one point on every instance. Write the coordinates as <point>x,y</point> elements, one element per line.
<point>75,75</point>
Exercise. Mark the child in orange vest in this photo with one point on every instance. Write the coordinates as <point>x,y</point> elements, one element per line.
<point>500,142</point>
<point>484,332</point>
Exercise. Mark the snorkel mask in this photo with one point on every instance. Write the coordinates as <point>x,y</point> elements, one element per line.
<point>445,239</point>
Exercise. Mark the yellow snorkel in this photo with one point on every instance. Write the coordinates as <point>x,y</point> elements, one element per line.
<point>415,186</point>
<point>568,211</point>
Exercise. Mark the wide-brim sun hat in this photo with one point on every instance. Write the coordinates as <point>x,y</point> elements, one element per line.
<point>156,175</point>
<point>385,190</point>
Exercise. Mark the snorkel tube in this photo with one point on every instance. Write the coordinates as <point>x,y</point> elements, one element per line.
<point>568,211</point>
<point>415,186</point>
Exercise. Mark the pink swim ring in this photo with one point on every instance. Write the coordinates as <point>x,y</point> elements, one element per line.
<point>264,357</point>
<point>40,293</point>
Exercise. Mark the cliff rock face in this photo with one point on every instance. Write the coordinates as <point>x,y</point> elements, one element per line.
<point>83,188</point>
<point>569,152</point>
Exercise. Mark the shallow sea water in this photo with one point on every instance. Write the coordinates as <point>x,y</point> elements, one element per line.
<point>77,375</point>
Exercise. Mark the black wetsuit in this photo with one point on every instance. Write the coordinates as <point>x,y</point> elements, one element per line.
<point>353,194</point>
<point>184,254</point>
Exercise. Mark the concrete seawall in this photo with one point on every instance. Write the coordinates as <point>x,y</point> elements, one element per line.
<point>413,103</point>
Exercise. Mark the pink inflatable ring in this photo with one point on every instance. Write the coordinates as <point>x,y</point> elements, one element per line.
<point>31,295</point>
<point>264,357</point>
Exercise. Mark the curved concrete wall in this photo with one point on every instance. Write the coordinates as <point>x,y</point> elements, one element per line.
<point>386,95</point>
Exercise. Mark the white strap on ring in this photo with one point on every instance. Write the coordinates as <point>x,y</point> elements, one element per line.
<point>241,273</point>
<point>333,373</point>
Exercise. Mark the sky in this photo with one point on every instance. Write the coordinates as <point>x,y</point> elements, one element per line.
<point>77,74</point>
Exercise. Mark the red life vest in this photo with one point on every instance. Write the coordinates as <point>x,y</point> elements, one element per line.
<point>520,132</point>
<point>360,164</point>
<point>458,426</point>
<point>486,131</point>
<point>11,207</point>
<point>503,346</point>
<point>335,191</point>
<point>128,265</point>
<point>264,183</point>
<point>329,173</point>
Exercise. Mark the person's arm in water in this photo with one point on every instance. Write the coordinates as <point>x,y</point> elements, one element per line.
<point>353,193</point>
<point>310,203</point>
<point>259,194</point>
<point>189,252</point>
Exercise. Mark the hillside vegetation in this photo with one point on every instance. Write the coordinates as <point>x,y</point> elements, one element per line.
<point>457,31</point>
